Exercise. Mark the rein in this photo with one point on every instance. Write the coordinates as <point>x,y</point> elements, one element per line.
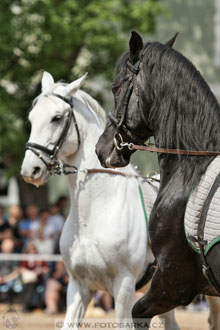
<point>152,148</point>
<point>65,169</point>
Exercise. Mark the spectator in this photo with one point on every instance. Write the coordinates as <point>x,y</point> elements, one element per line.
<point>62,204</point>
<point>56,220</point>
<point>43,233</point>
<point>25,225</point>
<point>9,270</point>
<point>15,217</point>
<point>33,274</point>
<point>56,286</point>
<point>4,226</point>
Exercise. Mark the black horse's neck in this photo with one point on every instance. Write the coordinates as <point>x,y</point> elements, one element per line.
<point>184,113</point>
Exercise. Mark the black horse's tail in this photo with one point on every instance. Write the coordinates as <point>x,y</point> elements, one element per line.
<point>147,276</point>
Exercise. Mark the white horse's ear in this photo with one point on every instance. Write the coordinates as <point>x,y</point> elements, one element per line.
<point>75,85</point>
<point>46,82</point>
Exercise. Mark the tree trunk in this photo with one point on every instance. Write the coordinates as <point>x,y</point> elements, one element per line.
<point>29,194</point>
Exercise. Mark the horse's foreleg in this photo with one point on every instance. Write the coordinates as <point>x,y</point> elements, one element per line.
<point>214,314</point>
<point>78,298</point>
<point>124,295</point>
<point>160,298</point>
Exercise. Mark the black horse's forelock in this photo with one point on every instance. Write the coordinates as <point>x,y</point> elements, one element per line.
<point>184,110</point>
<point>121,63</point>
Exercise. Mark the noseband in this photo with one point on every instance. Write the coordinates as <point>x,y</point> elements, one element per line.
<point>54,165</point>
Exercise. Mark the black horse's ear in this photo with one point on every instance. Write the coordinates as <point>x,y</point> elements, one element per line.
<point>136,45</point>
<point>171,41</point>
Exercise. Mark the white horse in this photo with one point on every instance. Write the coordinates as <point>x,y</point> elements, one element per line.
<point>104,239</point>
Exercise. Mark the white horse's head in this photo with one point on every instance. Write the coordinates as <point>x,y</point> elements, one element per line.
<point>49,116</point>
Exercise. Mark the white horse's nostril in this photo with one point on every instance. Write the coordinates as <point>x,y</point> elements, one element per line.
<point>36,171</point>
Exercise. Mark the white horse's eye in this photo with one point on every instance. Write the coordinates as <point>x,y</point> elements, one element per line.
<point>56,118</point>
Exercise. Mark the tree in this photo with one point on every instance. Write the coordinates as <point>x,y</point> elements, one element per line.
<point>66,38</point>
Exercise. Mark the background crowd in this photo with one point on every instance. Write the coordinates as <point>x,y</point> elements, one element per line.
<point>41,284</point>
<point>36,283</point>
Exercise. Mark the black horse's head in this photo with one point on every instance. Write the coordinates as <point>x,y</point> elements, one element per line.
<point>129,120</point>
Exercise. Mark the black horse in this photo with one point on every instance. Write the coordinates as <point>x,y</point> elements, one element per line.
<point>158,92</point>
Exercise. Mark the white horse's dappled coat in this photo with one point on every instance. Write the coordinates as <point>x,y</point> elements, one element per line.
<point>104,239</point>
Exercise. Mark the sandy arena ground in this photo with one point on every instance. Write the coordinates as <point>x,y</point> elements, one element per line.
<point>37,320</point>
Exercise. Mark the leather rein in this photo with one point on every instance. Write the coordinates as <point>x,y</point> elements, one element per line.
<point>152,148</point>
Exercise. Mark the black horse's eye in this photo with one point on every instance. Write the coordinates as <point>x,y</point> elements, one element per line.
<point>56,118</point>
<point>115,89</point>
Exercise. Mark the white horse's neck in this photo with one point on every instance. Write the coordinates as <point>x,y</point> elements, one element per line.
<point>90,128</point>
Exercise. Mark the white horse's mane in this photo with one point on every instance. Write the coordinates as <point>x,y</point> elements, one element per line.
<point>93,105</point>
<point>87,99</point>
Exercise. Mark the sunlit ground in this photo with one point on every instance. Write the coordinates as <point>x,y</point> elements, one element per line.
<point>37,320</point>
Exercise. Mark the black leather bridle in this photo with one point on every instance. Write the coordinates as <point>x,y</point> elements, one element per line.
<point>54,165</point>
<point>119,118</point>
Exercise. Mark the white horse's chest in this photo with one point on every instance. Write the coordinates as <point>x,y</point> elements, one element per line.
<point>101,236</point>
<point>89,261</point>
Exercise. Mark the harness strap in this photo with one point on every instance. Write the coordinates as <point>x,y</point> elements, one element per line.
<point>31,146</point>
<point>132,68</point>
<point>70,102</point>
<point>38,154</point>
<point>143,205</point>
<point>207,271</point>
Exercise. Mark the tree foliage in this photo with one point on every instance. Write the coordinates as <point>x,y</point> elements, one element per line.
<point>66,38</point>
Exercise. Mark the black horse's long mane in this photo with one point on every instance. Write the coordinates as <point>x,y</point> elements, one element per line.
<point>184,111</point>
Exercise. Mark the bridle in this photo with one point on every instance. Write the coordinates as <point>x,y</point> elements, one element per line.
<point>119,118</point>
<point>54,165</point>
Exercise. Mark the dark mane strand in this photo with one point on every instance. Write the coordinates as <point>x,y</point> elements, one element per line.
<point>184,112</point>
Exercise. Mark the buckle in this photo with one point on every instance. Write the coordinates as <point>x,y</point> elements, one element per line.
<point>118,141</point>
